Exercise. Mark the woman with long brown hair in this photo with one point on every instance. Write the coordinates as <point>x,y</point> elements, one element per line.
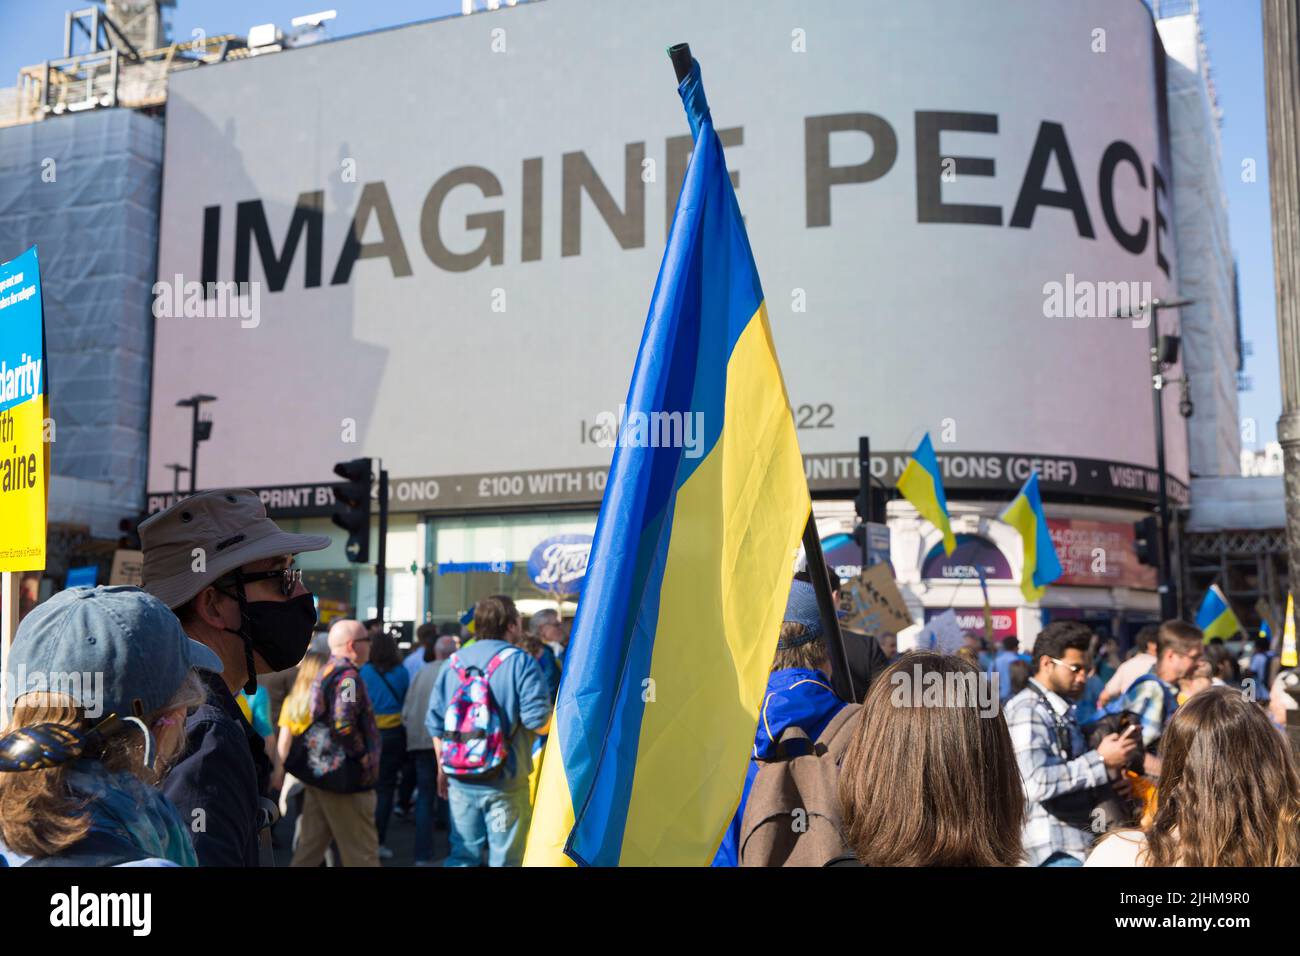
<point>1229,794</point>
<point>930,778</point>
<point>387,682</point>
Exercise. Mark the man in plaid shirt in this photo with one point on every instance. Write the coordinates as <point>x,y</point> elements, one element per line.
<point>1062,778</point>
<point>1154,695</point>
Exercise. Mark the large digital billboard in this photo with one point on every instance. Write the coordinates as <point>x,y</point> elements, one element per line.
<point>436,244</point>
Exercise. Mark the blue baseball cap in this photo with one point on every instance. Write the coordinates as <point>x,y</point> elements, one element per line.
<point>113,649</point>
<point>802,608</point>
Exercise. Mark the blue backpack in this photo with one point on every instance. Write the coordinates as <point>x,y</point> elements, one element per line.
<point>1106,720</point>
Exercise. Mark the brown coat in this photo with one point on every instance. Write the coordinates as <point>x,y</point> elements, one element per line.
<point>792,816</point>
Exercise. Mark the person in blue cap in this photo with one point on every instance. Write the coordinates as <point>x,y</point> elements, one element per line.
<point>798,694</point>
<point>98,684</point>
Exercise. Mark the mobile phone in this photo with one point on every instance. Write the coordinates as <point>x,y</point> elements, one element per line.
<point>1127,720</point>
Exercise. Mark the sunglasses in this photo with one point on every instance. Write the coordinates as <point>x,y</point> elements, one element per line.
<point>1073,668</point>
<point>290,578</point>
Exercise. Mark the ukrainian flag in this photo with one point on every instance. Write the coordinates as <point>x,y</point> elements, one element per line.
<point>921,485</point>
<point>690,566</point>
<point>1216,617</point>
<point>1025,514</point>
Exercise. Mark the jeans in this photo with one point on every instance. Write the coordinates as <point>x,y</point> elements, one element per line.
<point>426,801</point>
<point>482,814</point>
<point>392,753</point>
<point>409,780</point>
<point>1062,859</point>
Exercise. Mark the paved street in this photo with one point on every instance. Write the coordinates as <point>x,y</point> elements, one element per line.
<point>401,840</point>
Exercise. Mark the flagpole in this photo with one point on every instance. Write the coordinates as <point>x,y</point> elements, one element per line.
<point>821,582</point>
<point>680,54</point>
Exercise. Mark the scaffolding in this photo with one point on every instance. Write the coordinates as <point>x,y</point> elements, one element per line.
<point>1251,568</point>
<point>113,71</point>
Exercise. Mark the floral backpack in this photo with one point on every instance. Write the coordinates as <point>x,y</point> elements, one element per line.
<point>475,740</point>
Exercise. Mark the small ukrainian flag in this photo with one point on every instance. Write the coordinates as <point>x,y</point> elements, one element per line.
<point>1216,617</point>
<point>1025,514</point>
<point>921,484</point>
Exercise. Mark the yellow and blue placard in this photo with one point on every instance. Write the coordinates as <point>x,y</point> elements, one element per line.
<point>691,564</point>
<point>24,453</point>
<point>1026,515</point>
<point>1289,657</point>
<point>1216,617</point>
<point>921,484</point>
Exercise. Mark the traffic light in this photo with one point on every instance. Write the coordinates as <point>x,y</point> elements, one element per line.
<point>352,506</point>
<point>879,498</point>
<point>1145,542</point>
<point>859,536</point>
<point>862,506</point>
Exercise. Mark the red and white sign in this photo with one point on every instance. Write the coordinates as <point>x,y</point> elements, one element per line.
<point>971,620</point>
<point>1098,554</point>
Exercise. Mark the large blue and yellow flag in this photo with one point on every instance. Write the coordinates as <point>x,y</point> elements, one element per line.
<point>1216,617</point>
<point>921,484</point>
<point>691,563</point>
<point>1025,514</point>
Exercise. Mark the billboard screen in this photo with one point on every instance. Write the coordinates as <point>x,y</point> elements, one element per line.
<point>451,271</point>
<point>1099,554</point>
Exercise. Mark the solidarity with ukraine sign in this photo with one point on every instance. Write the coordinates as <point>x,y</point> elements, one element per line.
<point>24,455</point>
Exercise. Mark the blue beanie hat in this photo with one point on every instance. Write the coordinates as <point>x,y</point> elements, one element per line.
<point>801,608</point>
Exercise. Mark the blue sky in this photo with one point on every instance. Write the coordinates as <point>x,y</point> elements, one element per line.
<point>1233,35</point>
<point>34,31</point>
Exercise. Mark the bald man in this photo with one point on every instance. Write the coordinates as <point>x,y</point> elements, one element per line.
<point>343,766</point>
<point>350,640</point>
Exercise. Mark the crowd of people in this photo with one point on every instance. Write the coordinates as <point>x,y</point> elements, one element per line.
<point>219,707</point>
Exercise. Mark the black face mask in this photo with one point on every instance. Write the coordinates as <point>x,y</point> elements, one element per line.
<point>278,630</point>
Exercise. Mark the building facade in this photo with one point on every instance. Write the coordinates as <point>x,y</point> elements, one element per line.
<point>456,284</point>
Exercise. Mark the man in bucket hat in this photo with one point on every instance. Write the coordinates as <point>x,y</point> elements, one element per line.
<point>226,571</point>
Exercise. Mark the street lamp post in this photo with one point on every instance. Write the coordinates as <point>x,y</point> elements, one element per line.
<point>199,431</point>
<point>1165,587</point>
<point>176,468</point>
<point>1168,593</point>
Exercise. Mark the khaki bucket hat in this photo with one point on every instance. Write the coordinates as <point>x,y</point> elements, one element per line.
<point>231,527</point>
